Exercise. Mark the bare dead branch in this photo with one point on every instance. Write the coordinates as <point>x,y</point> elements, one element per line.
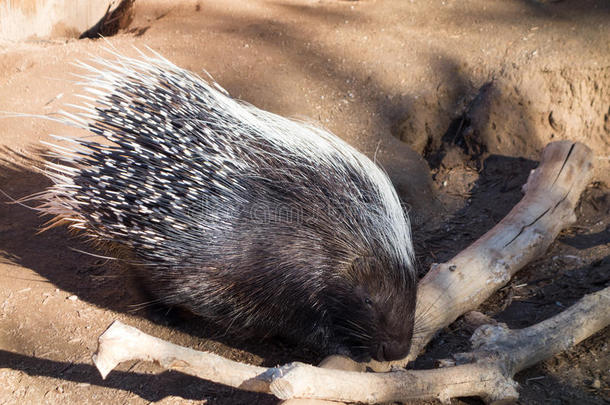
<point>462,284</point>
<point>121,343</point>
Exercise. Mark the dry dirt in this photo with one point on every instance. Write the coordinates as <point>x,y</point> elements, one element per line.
<point>454,98</point>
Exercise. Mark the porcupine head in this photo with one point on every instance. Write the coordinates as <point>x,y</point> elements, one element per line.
<point>250,220</point>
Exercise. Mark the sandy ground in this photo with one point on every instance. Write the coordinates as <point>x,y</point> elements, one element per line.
<point>454,99</point>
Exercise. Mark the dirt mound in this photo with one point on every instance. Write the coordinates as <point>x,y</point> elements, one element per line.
<point>519,111</point>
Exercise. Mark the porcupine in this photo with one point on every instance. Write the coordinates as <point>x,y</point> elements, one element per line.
<point>253,221</point>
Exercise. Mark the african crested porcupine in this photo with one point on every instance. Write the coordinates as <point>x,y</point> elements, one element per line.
<point>250,220</point>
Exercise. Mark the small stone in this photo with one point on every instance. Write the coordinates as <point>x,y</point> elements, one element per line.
<point>73,298</point>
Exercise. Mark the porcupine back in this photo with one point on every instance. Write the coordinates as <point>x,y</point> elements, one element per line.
<point>240,215</point>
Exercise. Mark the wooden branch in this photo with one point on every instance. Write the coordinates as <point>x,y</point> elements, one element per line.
<point>499,354</point>
<point>523,348</point>
<point>121,343</point>
<point>463,283</point>
<point>305,381</point>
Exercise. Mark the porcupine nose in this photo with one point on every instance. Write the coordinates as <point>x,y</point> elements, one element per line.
<point>392,350</point>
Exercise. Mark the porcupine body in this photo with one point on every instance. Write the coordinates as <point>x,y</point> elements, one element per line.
<point>250,220</point>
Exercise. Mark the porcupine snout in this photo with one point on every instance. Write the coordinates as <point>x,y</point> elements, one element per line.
<point>392,349</point>
<point>393,345</point>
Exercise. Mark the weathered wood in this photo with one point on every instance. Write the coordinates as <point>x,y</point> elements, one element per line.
<point>464,282</point>
<point>121,343</point>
